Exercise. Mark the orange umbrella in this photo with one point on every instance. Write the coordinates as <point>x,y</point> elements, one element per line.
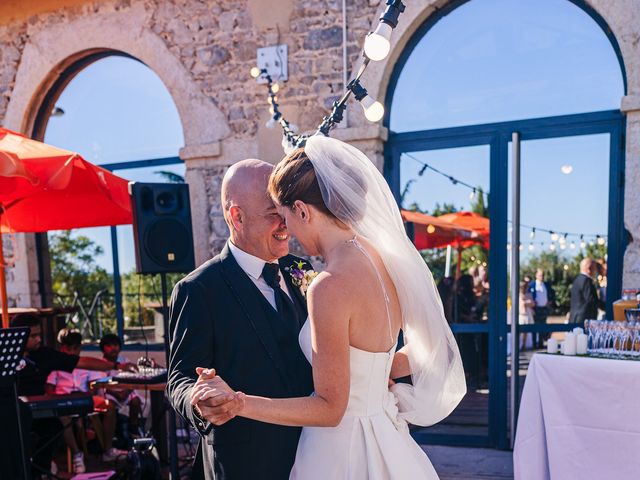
<point>47,188</point>
<point>471,221</point>
<point>437,232</point>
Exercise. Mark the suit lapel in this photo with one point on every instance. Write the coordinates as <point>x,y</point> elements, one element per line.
<point>252,303</point>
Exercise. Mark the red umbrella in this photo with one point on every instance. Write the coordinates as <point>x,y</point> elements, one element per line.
<point>438,232</point>
<point>471,221</point>
<point>47,188</point>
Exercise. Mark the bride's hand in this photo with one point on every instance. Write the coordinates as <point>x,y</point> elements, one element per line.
<point>214,399</point>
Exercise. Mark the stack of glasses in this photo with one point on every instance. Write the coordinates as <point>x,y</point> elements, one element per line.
<point>613,339</point>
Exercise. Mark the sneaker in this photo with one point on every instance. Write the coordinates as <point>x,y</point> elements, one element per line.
<point>78,463</point>
<point>112,454</point>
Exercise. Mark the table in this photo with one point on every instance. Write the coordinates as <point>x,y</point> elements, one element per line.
<point>158,410</point>
<point>579,419</point>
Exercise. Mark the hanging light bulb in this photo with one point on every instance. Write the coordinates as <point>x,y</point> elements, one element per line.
<point>563,245</point>
<point>565,267</point>
<point>554,237</point>
<point>275,88</point>
<point>583,244</point>
<point>520,247</point>
<point>601,241</point>
<point>472,195</point>
<point>255,72</point>
<point>532,235</point>
<point>378,43</point>
<point>531,247</point>
<point>373,110</point>
<point>573,245</point>
<point>552,246</point>
<point>431,228</point>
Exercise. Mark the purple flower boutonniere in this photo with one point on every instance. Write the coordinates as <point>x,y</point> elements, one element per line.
<point>300,277</point>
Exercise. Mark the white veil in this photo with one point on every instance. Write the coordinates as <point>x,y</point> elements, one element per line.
<point>355,192</point>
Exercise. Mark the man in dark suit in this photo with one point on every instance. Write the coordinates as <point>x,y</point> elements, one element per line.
<point>584,297</point>
<point>544,297</point>
<point>240,314</point>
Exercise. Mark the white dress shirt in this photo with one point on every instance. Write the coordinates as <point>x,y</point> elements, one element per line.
<point>253,266</point>
<point>541,294</point>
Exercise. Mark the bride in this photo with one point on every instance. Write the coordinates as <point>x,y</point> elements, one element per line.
<point>375,285</point>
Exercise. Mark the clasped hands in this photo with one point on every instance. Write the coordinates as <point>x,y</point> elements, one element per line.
<point>214,400</point>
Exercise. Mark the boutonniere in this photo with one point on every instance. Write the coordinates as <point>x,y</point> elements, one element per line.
<point>300,277</point>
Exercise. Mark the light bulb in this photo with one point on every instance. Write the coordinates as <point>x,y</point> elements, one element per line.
<point>531,247</point>
<point>566,267</point>
<point>520,247</point>
<point>255,72</point>
<point>554,237</point>
<point>378,44</point>
<point>373,110</point>
<point>275,88</point>
<point>533,233</point>
<point>431,228</point>
<point>583,244</point>
<point>563,246</point>
<point>601,241</point>
<point>552,246</point>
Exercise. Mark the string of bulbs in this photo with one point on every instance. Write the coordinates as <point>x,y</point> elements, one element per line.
<point>377,45</point>
<point>556,236</point>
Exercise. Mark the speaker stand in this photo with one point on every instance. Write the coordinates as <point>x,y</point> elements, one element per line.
<point>171,424</point>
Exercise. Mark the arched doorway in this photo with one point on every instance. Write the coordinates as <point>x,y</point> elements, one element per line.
<point>117,113</point>
<point>471,76</point>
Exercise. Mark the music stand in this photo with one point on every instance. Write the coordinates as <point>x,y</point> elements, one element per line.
<point>12,344</point>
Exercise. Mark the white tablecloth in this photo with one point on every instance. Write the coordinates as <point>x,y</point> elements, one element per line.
<point>579,419</point>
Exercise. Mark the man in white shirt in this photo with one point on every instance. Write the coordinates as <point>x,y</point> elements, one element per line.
<point>240,314</point>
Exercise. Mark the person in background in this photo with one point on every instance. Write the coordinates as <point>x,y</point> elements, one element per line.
<point>544,297</point>
<point>526,305</point>
<point>60,382</point>
<point>40,361</point>
<point>111,346</point>
<point>584,297</point>
<point>445,289</point>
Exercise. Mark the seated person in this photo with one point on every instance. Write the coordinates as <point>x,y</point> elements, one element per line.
<point>60,382</point>
<point>110,345</point>
<point>39,363</point>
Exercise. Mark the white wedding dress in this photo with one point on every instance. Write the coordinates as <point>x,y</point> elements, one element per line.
<point>371,442</point>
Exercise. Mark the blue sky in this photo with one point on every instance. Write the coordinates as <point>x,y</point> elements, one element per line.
<point>499,60</point>
<point>487,61</point>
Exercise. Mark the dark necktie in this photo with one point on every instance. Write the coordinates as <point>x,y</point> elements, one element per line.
<point>284,305</point>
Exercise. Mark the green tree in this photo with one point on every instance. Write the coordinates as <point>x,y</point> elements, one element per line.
<point>74,270</point>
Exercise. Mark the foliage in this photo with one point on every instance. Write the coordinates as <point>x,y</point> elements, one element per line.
<point>74,269</point>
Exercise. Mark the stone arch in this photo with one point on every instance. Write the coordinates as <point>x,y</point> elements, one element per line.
<point>610,18</point>
<point>52,50</point>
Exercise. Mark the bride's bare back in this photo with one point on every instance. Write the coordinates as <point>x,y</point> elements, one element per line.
<point>357,270</point>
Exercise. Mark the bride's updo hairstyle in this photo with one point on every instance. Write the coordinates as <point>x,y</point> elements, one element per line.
<point>294,178</point>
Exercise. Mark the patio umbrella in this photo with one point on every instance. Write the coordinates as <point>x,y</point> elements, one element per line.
<point>471,221</point>
<point>48,188</point>
<point>434,232</point>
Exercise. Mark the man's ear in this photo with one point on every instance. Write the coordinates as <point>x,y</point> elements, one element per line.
<point>236,217</point>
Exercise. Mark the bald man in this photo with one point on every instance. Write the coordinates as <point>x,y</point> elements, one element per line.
<point>584,297</point>
<point>240,314</point>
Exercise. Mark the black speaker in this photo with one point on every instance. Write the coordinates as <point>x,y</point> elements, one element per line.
<point>162,230</point>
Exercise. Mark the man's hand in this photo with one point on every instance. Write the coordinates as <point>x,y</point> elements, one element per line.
<point>214,399</point>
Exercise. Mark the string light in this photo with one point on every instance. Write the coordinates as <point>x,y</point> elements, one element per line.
<point>554,237</point>
<point>532,235</point>
<point>378,43</point>
<point>552,246</point>
<point>377,46</point>
<point>531,247</point>
<point>601,241</point>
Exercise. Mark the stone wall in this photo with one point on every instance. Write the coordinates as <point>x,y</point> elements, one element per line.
<point>203,51</point>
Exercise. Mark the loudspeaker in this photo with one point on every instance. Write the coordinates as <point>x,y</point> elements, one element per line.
<point>162,230</point>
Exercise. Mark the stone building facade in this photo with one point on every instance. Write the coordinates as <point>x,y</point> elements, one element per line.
<point>203,50</point>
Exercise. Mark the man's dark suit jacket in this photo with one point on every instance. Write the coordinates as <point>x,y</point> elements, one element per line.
<point>551,293</point>
<point>584,299</point>
<point>219,319</point>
